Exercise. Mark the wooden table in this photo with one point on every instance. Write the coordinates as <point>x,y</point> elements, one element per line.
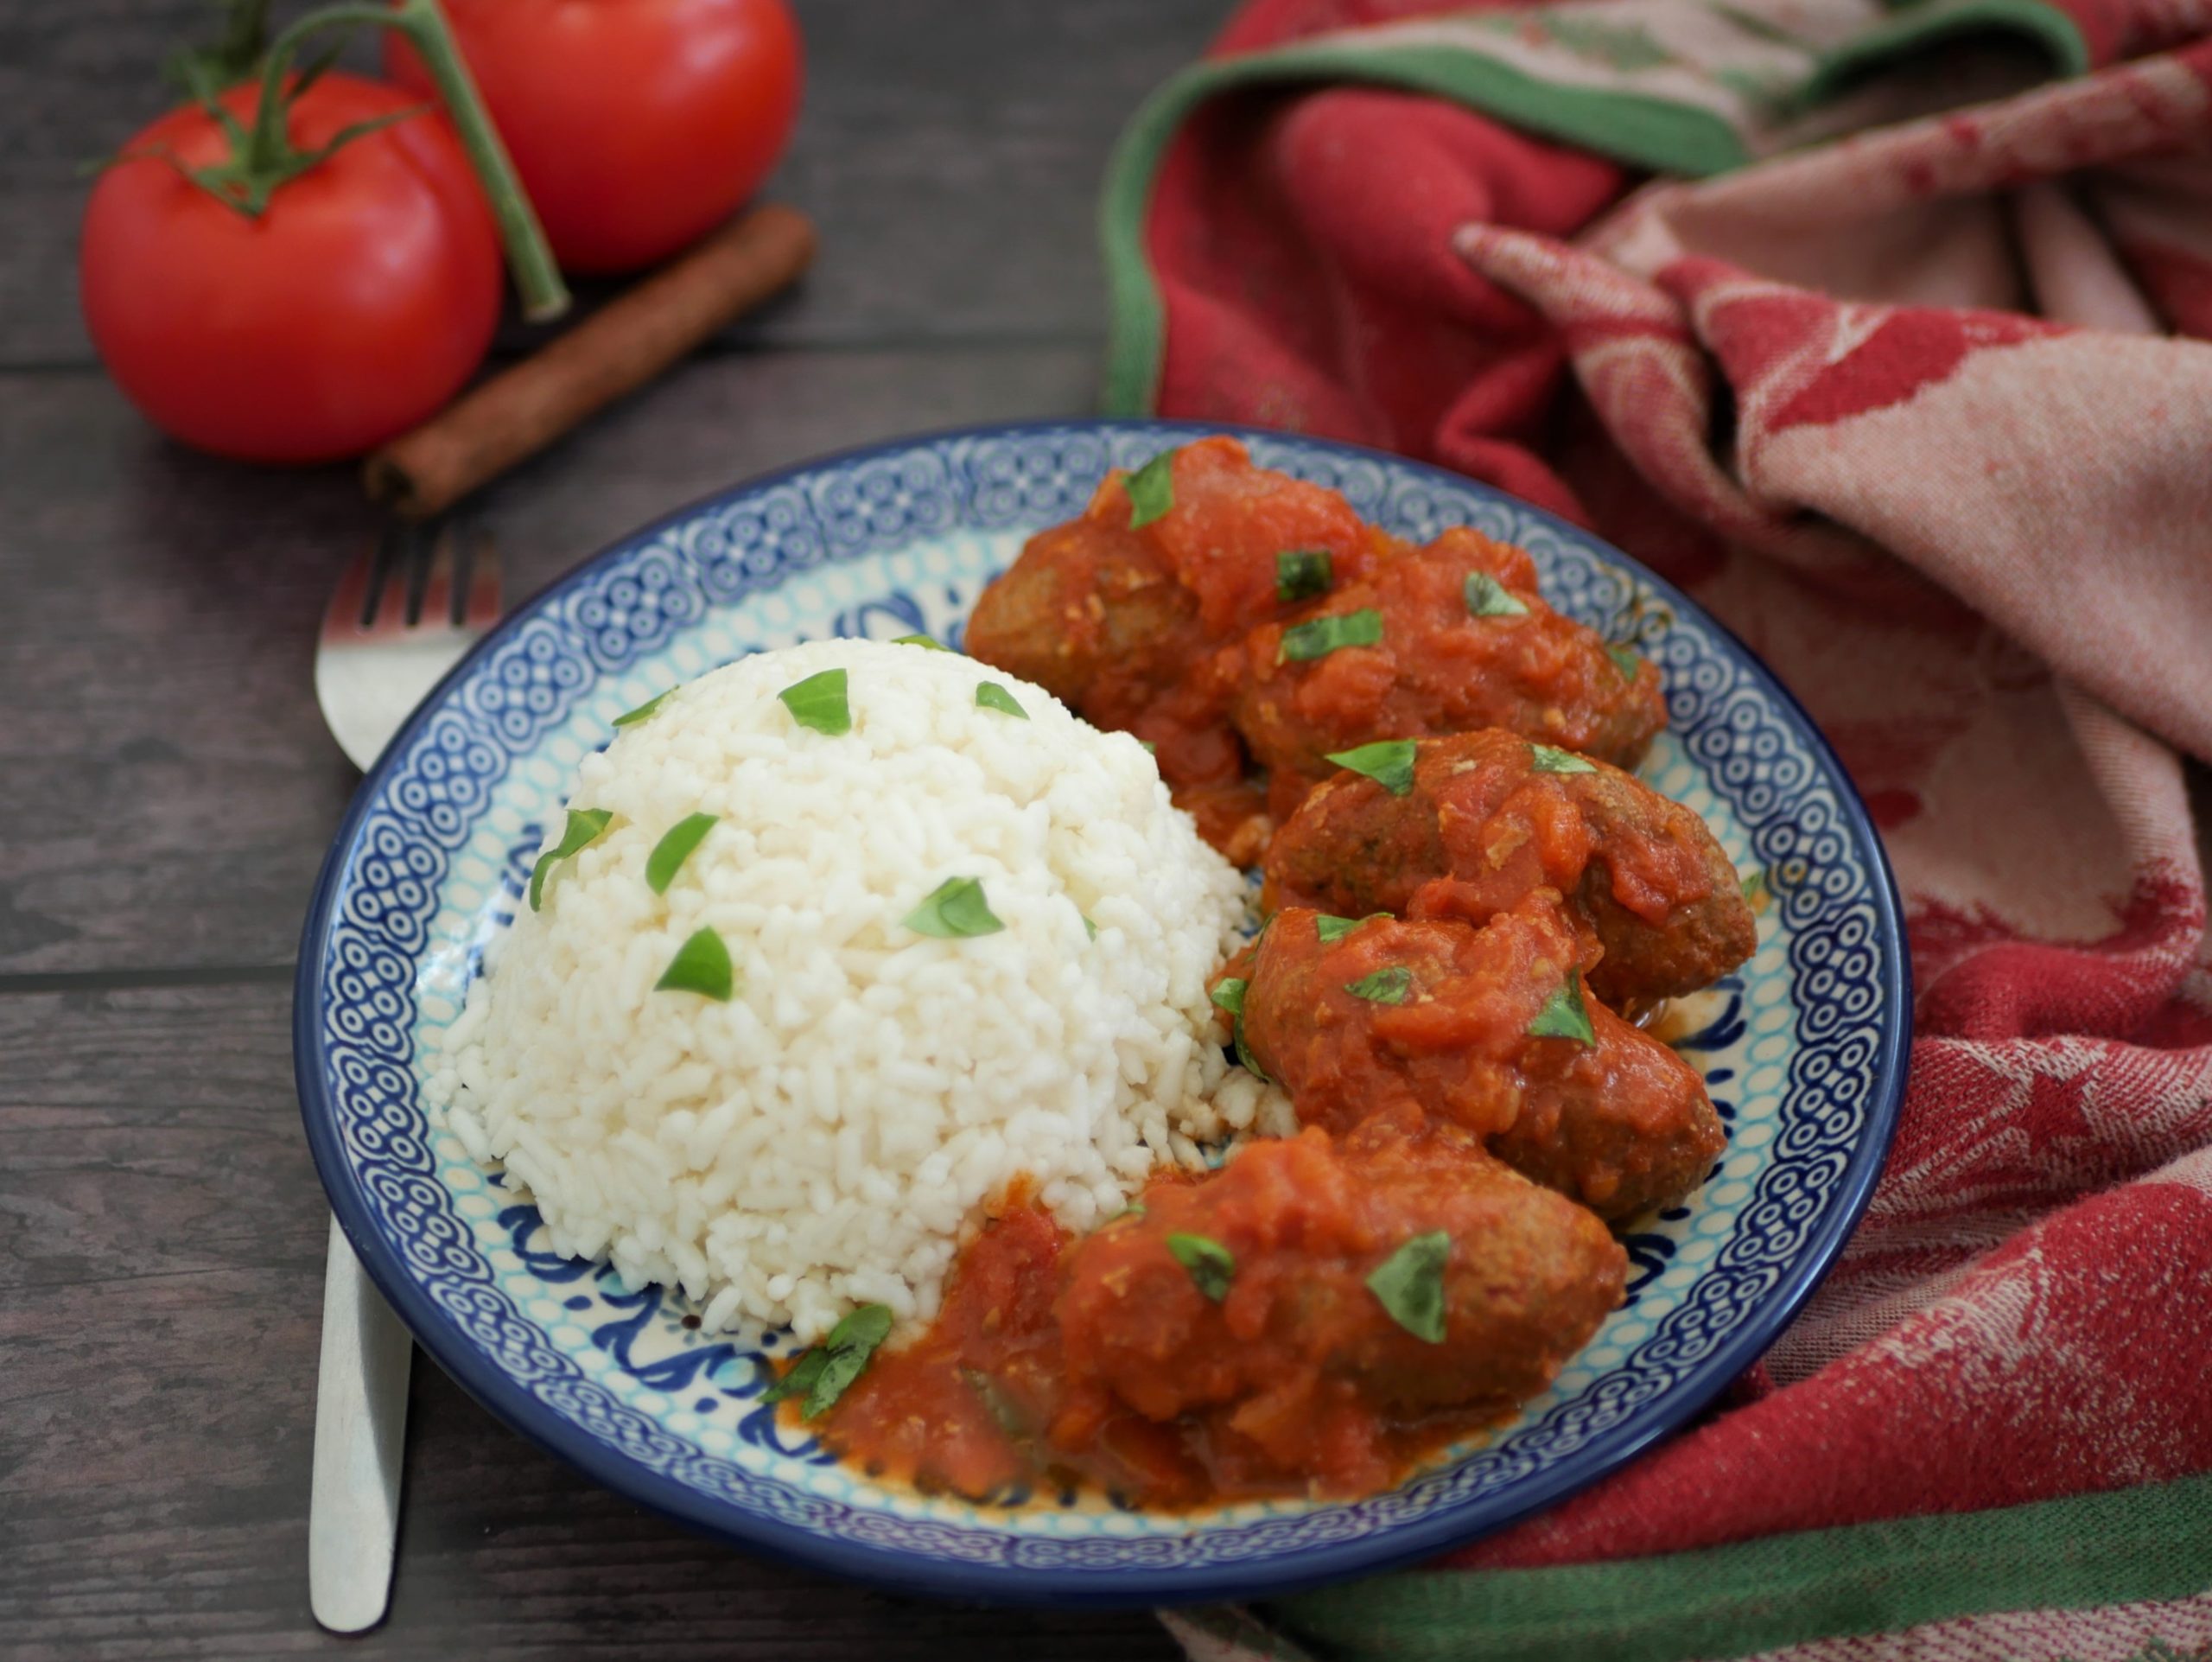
<point>169,791</point>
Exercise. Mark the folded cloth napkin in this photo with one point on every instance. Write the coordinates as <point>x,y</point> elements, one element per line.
<point>1890,364</point>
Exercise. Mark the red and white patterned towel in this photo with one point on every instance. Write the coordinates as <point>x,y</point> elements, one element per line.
<point>1916,411</point>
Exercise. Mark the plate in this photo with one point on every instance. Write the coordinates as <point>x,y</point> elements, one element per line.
<point>1802,1050</point>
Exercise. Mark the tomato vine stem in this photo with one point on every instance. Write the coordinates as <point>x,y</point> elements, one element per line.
<point>537,278</point>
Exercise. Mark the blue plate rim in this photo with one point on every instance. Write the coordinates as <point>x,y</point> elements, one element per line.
<point>1009,1584</point>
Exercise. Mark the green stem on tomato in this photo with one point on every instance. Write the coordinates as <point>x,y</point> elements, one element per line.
<point>537,277</point>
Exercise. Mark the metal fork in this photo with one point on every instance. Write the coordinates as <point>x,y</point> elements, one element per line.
<point>402,616</point>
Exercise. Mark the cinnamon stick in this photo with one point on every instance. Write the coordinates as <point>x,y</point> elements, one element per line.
<point>613,353</point>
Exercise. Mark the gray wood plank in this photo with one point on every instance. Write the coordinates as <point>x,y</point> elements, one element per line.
<point>162,612</point>
<point>950,153</point>
<point>161,1273</point>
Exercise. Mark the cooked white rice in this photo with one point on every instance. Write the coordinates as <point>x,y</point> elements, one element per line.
<point>821,1139</point>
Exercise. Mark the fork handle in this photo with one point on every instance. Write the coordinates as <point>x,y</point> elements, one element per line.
<point>360,1427</point>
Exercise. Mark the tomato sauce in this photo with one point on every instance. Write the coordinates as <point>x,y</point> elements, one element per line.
<point>1325,1311</point>
<point>1184,629</point>
<point>1112,1362</point>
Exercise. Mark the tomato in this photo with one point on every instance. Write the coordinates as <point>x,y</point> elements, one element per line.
<point>354,306</point>
<point>637,125</point>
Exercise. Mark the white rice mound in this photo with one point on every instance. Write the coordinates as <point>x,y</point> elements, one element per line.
<point>821,1140</point>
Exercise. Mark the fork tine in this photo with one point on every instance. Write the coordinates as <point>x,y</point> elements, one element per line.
<point>483,607</point>
<point>402,550</point>
<point>344,615</point>
<point>433,600</point>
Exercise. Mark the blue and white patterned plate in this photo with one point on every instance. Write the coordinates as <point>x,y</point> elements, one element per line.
<point>1802,1050</point>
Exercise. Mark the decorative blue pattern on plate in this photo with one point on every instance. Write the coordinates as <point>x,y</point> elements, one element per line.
<point>1803,1049</point>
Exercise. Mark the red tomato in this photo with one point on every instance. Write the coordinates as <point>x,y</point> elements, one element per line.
<point>355,306</point>
<point>637,125</point>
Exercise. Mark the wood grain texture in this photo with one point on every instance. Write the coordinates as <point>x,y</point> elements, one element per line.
<point>161,1273</point>
<point>949,150</point>
<point>163,612</point>
<point>161,1227</point>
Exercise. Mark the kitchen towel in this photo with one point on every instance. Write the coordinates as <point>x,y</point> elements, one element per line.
<point>1873,327</point>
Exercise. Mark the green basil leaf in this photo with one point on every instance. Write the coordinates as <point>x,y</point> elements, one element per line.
<point>1388,762</point>
<point>1150,748</point>
<point>800,1377</point>
<point>921,640</point>
<point>1335,929</point>
<point>850,1344</point>
<point>1212,1266</point>
<point>584,826</point>
<point>1089,929</point>
<point>825,1372</point>
<point>1549,759</point>
<point>674,849</point>
<point>700,965</point>
<point>1410,1285</point>
<point>1488,597</point>
<point>1388,986</point>
<point>1624,660</point>
<point>1129,1214</point>
<point>955,910</point>
<point>819,702</point>
<point>1152,489</point>
<point>1318,637</point>
<point>644,712</point>
<point>991,696</point>
<point>1753,883</point>
<point>1228,993</point>
<point>1303,573</point>
<point>999,1405</point>
<point>1565,1015</point>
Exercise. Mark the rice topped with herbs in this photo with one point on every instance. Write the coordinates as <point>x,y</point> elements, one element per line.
<point>830,946</point>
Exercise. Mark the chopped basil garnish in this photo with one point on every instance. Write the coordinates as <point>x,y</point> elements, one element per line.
<point>1150,748</point>
<point>1549,759</point>
<point>1410,1284</point>
<point>824,1372</point>
<point>1318,637</point>
<point>1228,993</point>
<point>1388,762</point>
<point>934,646</point>
<point>1488,597</point>
<point>1128,1214</point>
<point>1152,489</point>
<point>1211,1265</point>
<point>955,910</point>
<point>1624,660</point>
<point>672,851</point>
<point>644,712</point>
<point>584,824</point>
<point>1388,986</point>
<point>1089,929</point>
<point>1303,573</point>
<point>819,703</point>
<point>1334,929</point>
<point>992,696</point>
<point>700,965</point>
<point>1753,883</point>
<point>1565,1015</point>
<point>1003,1413</point>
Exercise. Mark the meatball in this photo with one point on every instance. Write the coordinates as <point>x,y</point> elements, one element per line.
<point>1272,1332</point>
<point>1409,652</point>
<point>1484,823</point>
<point>1124,625</point>
<point>1481,1027</point>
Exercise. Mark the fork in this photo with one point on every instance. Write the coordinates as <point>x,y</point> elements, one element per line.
<point>400,618</point>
